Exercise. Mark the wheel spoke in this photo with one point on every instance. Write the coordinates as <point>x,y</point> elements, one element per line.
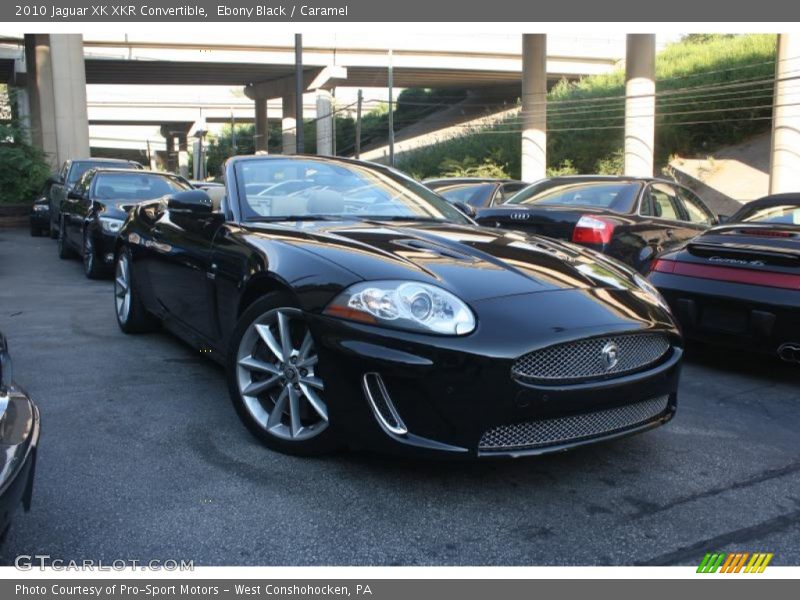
<point>253,364</point>
<point>315,401</point>
<point>274,419</point>
<point>315,382</point>
<point>294,410</point>
<point>265,333</point>
<point>257,387</point>
<point>286,336</point>
<point>305,347</point>
<point>309,362</point>
<point>123,286</point>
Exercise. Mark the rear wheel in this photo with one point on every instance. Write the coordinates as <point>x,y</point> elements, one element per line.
<point>64,251</point>
<point>273,379</point>
<point>132,317</point>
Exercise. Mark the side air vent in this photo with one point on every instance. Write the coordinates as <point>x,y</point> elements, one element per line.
<point>381,404</point>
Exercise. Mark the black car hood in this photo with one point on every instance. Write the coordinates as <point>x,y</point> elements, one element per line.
<point>474,262</point>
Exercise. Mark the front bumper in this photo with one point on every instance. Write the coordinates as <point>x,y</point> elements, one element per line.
<point>451,391</point>
<point>732,314</point>
<point>19,440</point>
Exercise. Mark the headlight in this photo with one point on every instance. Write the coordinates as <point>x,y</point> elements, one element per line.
<point>649,289</point>
<point>39,208</point>
<point>404,305</point>
<point>110,225</point>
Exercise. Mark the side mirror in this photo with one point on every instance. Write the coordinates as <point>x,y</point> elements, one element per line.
<point>192,201</point>
<point>723,219</point>
<point>467,209</point>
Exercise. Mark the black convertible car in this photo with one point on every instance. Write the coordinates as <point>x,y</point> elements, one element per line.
<point>19,437</point>
<point>739,283</point>
<point>97,206</point>
<point>361,308</point>
<point>630,219</point>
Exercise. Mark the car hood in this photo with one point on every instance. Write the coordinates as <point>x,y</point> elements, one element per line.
<point>473,262</point>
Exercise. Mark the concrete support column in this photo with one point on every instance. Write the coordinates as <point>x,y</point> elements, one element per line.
<point>640,104</point>
<point>22,109</point>
<point>784,172</point>
<point>170,163</point>
<point>534,106</point>
<point>262,125</point>
<point>42,98</point>
<point>183,155</point>
<point>324,123</point>
<point>69,87</point>
<point>289,125</point>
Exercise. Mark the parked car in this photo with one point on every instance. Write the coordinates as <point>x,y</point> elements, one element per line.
<point>69,174</point>
<point>206,185</point>
<point>476,192</point>
<point>97,206</point>
<point>366,310</point>
<point>19,438</point>
<point>632,219</point>
<point>40,211</point>
<point>738,284</point>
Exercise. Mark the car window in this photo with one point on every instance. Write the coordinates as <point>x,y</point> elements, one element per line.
<point>612,195</point>
<point>136,186</point>
<point>334,189</point>
<point>506,191</point>
<point>664,202</point>
<point>786,214</point>
<point>474,194</point>
<point>694,208</point>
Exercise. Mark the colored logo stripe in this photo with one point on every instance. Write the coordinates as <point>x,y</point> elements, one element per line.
<point>734,562</point>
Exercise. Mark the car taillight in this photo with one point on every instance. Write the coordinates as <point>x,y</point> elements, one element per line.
<point>592,230</point>
<point>663,266</point>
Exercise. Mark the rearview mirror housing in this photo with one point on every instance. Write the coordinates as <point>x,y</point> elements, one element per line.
<point>467,209</point>
<point>191,201</point>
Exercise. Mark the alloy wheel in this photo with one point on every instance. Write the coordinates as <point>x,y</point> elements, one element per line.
<point>275,374</point>
<point>122,288</point>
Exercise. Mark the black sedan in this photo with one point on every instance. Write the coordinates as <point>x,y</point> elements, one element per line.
<point>97,206</point>
<point>630,219</point>
<point>19,437</point>
<point>69,174</point>
<point>739,283</point>
<point>40,212</point>
<point>362,309</point>
<point>475,192</point>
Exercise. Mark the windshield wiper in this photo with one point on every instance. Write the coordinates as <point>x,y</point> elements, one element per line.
<point>301,218</point>
<point>401,218</point>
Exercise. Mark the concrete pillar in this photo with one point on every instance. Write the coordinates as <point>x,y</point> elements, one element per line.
<point>22,109</point>
<point>262,125</point>
<point>289,125</point>
<point>534,106</point>
<point>183,155</point>
<point>69,87</point>
<point>324,123</point>
<point>784,171</point>
<point>171,164</point>
<point>42,99</point>
<point>640,104</point>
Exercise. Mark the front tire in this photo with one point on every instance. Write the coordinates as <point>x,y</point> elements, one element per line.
<point>92,267</point>
<point>64,251</point>
<point>132,317</point>
<point>273,381</point>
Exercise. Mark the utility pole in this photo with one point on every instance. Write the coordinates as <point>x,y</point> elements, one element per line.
<point>391,111</point>
<point>298,80</point>
<point>358,124</point>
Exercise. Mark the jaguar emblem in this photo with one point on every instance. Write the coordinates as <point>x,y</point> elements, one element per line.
<point>610,355</point>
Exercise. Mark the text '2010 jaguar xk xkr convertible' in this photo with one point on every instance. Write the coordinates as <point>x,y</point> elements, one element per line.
<point>351,305</point>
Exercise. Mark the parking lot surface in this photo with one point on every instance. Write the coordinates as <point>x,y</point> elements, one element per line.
<point>142,457</point>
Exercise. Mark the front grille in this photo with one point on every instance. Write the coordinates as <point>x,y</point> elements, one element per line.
<point>561,430</point>
<point>585,359</point>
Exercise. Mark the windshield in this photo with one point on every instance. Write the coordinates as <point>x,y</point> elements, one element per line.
<point>79,167</point>
<point>788,214</point>
<point>291,188</point>
<point>612,195</point>
<point>136,186</point>
<point>474,194</point>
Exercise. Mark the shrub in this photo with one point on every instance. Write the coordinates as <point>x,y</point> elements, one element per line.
<point>24,166</point>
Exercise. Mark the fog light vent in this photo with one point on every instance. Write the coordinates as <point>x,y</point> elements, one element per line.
<point>382,406</point>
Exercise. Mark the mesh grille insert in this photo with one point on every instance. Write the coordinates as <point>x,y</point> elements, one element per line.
<point>589,358</point>
<point>548,432</point>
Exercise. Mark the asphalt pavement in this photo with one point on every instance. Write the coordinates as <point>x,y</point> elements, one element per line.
<point>142,457</point>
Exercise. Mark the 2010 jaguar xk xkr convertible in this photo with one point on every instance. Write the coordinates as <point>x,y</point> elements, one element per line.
<point>351,305</point>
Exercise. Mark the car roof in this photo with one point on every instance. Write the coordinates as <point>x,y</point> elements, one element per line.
<point>137,171</point>
<point>457,180</point>
<point>767,201</point>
